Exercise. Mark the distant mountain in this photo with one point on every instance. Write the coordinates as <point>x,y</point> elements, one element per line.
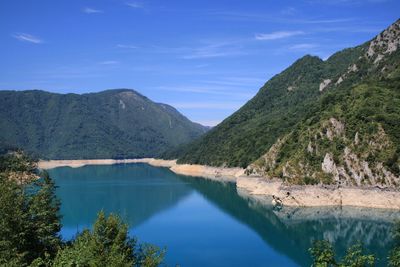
<point>110,124</point>
<point>333,121</point>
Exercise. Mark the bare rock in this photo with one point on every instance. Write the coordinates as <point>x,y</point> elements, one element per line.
<point>324,84</point>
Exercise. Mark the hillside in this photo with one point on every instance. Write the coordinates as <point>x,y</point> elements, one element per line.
<point>318,121</point>
<point>110,124</point>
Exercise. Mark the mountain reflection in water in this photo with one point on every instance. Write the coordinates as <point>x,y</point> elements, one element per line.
<point>179,211</point>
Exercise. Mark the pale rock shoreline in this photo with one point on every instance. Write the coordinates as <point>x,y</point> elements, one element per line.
<point>214,173</point>
<point>259,187</point>
<point>317,196</point>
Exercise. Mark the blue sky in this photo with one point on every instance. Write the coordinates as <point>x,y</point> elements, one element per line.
<point>206,58</point>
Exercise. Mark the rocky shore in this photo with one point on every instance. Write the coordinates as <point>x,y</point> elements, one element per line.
<point>259,187</point>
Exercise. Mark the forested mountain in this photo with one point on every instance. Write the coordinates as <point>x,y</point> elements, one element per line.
<point>318,121</point>
<point>111,124</point>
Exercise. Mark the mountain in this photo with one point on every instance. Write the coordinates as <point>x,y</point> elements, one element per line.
<point>333,121</point>
<point>110,124</point>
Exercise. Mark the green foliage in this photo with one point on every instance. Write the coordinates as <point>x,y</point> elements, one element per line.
<point>44,218</point>
<point>355,257</point>
<point>108,245</point>
<point>150,256</point>
<point>291,102</point>
<point>394,255</point>
<point>323,255</point>
<point>29,223</point>
<point>110,124</point>
<point>30,226</point>
<point>310,180</point>
<point>14,232</point>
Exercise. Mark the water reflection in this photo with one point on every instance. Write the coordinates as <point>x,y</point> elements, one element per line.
<point>292,230</point>
<point>87,190</point>
<point>141,194</point>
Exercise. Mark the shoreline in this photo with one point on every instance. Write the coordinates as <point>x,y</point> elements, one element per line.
<point>317,195</point>
<point>213,173</point>
<point>259,187</point>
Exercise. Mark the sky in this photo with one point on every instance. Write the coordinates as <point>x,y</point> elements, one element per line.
<point>206,58</point>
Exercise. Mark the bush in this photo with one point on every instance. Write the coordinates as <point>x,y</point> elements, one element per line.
<point>108,245</point>
<point>30,226</point>
<point>323,255</point>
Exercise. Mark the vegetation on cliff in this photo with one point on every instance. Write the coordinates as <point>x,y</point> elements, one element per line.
<point>30,225</point>
<point>333,121</point>
<point>111,124</point>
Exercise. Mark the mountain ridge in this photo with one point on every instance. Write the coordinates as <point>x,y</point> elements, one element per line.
<point>272,129</point>
<point>116,123</point>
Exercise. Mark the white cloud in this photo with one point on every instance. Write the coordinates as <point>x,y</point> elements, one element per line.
<point>325,21</point>
<point>352,29</point>
<point>208,89</point>
<point>305,46</point>
<point>201,53</point>
<point>237,81</point>
<point>346,2</point>
<point>289,11</point>
<point>134,4</point>
<point>208,105</point>
<point>217,49</point>
<point>109,62</point>
<point>288,17</point>
<point>209,122</point>
<point>126,46</point>
<point>277,35</point>
<point>24,37</point>
<point>89,10</point>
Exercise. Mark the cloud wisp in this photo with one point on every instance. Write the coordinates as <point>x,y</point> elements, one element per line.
<point>134,4</point>
<point>208,90</point>
<point>125,46</point>
<point>208,105</point>
<point>215,49</point>
<point>210,123</point>
<point>109,62</point>
<point>346,2</point>
<point>24,37</point>
<point>277,35</point>
<point>89,10</point>
<point>305,46</point>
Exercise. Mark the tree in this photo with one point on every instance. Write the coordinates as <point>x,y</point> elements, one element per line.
<point>324,256</point>
<point>45,219</point>
<point>355,257</point>
<point>394,255</point>
<point>14,231</point>
<point>30,225</point>
<point>108,245</point>
<point>30,220</point>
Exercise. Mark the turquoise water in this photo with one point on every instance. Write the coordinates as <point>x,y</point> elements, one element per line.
<point>206,223</point>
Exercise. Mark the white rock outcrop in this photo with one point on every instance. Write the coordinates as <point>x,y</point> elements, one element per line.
<point>324,84</point>
<point>386,42</point>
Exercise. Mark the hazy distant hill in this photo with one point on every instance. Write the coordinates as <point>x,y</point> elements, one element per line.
<point>110,124</point>
<point>318,121</point>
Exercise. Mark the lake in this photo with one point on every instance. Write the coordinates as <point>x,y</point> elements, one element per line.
<point>208,223</point>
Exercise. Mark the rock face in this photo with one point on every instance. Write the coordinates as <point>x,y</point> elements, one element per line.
<point>319,122</point>
<point>316,196</point>
<point>386,42</point>
<point>324,84</point>
<point>344,150</point>
<point>342,161</point>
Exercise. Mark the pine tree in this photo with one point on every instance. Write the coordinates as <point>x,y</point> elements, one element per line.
<point>45,219</point>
